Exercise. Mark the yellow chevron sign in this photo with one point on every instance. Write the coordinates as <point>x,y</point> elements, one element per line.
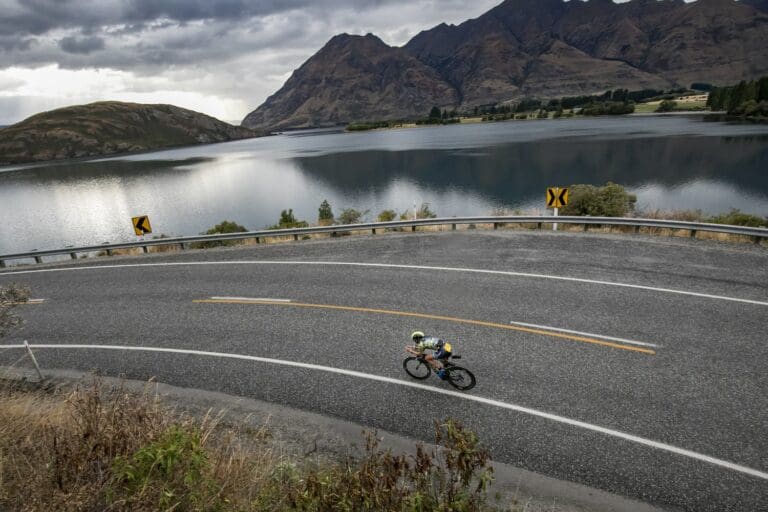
<point>557,197</point>
<point>141,225</point>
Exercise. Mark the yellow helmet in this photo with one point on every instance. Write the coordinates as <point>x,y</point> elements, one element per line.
<point>417,336</point>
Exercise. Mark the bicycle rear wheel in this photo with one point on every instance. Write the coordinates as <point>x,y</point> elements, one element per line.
<point>416,367</point>
<point>460,378</point>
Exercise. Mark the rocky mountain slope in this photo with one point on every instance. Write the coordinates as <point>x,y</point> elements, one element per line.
<point>110,127</point>
<point>542,48</point>
<point>353,77</point>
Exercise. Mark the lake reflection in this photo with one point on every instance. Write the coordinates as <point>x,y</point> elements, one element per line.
<point>670,163</point>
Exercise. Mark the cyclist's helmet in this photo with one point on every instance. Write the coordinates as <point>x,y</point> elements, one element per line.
<point>417,336</point>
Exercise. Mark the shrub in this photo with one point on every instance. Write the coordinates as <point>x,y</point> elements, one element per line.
<point>351,216</point>
<point>424,212</point>
<point>325,214</point>
<point>10,297</point>
<point>386,216</point>
<point>169,473</point>
<point>610,200</point>
<point>223,227</point>
<point>455,478</point>
<point>738,218</point>
<point>666,106</point>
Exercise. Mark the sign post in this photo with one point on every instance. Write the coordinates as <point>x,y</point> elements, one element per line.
<point>556,198</point>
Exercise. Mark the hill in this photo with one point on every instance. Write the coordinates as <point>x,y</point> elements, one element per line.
<point>110,127</point>
<point>524,48</point>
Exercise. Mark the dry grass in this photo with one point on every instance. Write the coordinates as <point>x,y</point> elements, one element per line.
<point>104,448</point>
<point>59,451</point>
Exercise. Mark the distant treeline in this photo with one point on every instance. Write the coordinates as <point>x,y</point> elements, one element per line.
<point>624,96</point>
<point>748,99</point>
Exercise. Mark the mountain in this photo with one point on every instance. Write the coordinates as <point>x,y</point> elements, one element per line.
<point>353,78</point>
<point>109,127</point>
<point>524,48</point>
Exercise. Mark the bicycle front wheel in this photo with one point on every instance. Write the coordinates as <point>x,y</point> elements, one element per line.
<point>460,378</point>
<point>417,367</point>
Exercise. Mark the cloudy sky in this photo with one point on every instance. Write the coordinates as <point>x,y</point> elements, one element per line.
<point>221,57</point>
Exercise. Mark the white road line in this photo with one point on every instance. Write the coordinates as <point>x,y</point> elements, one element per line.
<point>602,337</point>
<point>251,299</point>
<point>408,267</point>
<point>455,394</point>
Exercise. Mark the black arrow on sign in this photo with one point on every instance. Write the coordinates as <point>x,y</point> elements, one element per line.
<point>140,225</point>
<point>551,197</point>
<point>561,196</point>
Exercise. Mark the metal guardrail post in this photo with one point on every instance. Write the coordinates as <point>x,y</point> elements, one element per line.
<point>73,255</point>
<point>637,229</point>
<point>453,227</point>
<point>413,228</point>
<point>693,233</point>
<point>538,225</point>
<point>38,259</point>
<point>373,231</point>
<point>586,227</point>
<point>144,248</point>
<point>2,264</point>
<point>295,237</point>
<point>34,361</point>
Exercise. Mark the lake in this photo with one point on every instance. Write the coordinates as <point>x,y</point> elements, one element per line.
<point>671,162</point>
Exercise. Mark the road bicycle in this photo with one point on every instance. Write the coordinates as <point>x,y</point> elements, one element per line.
<point>458,377</point>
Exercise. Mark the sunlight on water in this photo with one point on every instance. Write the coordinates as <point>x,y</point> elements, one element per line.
<point>676,163</point>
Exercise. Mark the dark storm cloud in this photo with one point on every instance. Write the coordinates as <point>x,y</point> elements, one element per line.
<point>41,16</point>
<point>84,45</point>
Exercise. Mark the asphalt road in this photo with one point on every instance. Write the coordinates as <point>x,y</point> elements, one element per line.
<point>697,387</point>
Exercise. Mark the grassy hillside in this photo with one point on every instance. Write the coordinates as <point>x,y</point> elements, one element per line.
<point>110,127</point>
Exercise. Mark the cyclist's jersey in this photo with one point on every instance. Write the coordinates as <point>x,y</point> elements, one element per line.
<point>432,343</point>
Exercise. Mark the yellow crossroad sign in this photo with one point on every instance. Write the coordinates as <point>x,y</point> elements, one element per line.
<point>141,225</point>
<point>557,197</point>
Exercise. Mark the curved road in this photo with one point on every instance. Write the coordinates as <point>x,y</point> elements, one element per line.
<point>631,364</point>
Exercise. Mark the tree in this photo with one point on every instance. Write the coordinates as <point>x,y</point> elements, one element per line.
<point>435,113</point>
<point>10,297</point>
<point>324,213</point>
<point>762,89</point>
<point>288,221</point>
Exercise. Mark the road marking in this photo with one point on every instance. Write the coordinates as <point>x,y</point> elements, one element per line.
<point>601,336</point>
<point>433,317</point>
<point>422,387</point>
<point>249,299</point>
<point>28,302</point>
<point>407,267</point>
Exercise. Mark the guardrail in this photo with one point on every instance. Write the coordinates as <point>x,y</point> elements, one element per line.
<point>756,233</point>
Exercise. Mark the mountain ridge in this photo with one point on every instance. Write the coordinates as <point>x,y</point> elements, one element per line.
<point>523,48</point>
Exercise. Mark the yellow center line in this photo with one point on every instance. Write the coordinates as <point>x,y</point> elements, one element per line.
<point>438,317</point>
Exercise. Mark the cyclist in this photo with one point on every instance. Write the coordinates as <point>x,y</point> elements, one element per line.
<point>442,350</point>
